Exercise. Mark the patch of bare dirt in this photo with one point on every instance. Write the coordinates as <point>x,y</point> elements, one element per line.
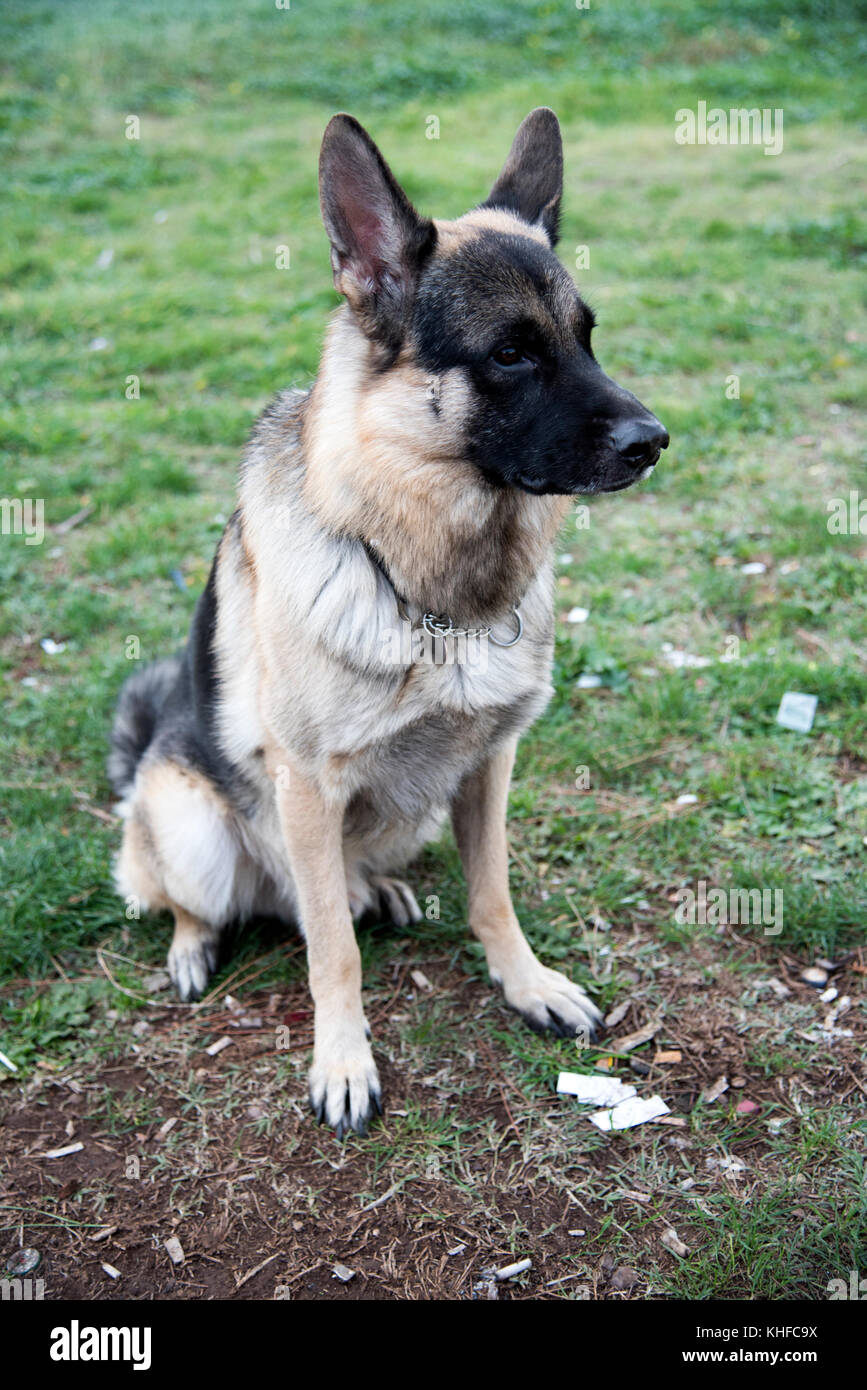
<point>473,1167</point>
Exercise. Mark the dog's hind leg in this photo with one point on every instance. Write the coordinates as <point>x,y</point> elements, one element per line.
<point>545,998</point>
<point>179,853</point>
<point>397,902</point>
<point>193,954</point>
<point>389,899</point>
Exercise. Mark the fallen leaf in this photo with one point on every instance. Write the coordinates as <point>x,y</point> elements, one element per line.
<point>641,1035</point>
<point>672,1241</point>
<point>618,1013</point>
<point>719,1088</point>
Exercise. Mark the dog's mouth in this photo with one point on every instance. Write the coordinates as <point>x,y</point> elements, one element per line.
<point>531,482</point>
<point>528,482</point>
<point>621,476</point>
<point>623,480</point>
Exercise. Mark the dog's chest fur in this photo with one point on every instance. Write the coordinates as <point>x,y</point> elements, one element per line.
<point>316,653</point>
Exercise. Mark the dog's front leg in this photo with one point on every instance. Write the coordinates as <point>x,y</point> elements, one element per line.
<point>544,997</point>
<point>344,1085</point>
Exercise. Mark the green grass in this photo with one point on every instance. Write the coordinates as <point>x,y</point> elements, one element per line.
<point>704,263</point>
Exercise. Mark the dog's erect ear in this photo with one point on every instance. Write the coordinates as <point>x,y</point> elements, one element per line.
<point>378,240</point>
<point>531,182</point>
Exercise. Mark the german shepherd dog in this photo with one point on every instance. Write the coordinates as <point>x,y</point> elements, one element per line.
<point>287,762</point>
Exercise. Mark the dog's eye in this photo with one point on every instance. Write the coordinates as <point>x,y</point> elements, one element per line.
<point>508,356</point>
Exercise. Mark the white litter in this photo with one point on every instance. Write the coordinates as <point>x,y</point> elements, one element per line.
<point>630,1113</point>
<point>4,1061</point>
<point>174,1250</point>
<point>686,799</point>
<point>781,990</point>
<point>728,1166</point>
<point>218,1046</point>
<point>52,648</point>
<point>815,976</point>
<point>578,615</point>
<point>111,1271</point>
<point>754,567</point>
<point>62,1153</point>
<point>827,1036</point>
<point>511,1271</point>
<point>797,711</point>
<point>843,1005</point>
<point>594,1090</point>
<point>103,1234</point>
<point>588,681</point>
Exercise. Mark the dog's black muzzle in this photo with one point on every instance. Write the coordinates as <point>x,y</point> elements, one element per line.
<point>639,440</point>
<point>630,438</point>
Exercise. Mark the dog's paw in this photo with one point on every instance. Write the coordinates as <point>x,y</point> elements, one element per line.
<point>549,1002</point>
<point>192,961</point>
<point>396,900</point>
<point>344,1087</point>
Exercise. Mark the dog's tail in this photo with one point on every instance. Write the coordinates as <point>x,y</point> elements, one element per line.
<point>139,706</point>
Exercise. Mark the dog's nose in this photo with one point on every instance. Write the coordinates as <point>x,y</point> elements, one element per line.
<point>639,439</point>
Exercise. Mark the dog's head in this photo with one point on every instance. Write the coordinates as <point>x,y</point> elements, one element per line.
<point>482,310</point>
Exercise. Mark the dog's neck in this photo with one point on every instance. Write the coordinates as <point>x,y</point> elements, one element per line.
<point>385,464</point>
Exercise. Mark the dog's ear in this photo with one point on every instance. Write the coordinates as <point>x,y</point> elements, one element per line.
<point>531,181</point>
<point>378,240</point>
